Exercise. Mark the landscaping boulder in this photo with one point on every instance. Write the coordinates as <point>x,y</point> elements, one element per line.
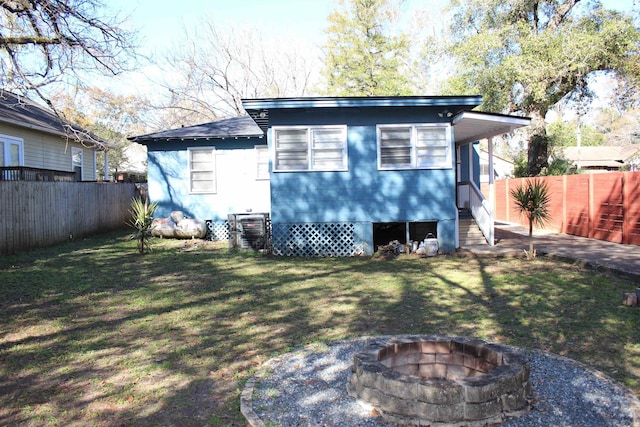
<point>178,226</point>
<point>191,228</point>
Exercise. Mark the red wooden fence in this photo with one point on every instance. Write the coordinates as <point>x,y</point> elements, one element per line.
<point>603,206</point>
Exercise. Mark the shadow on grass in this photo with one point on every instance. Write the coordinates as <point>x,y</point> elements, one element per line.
<point>94,334</point>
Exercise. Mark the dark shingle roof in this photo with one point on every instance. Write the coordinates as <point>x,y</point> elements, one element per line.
<point>20,111</point>
<point>242,126</point>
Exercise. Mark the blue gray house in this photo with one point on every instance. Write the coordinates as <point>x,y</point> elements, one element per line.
<point>338,176</point>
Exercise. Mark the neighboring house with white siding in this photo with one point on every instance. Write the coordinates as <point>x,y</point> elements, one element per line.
<point>37,145</point>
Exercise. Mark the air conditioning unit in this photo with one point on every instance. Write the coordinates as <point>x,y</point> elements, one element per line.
<point>249,231</point>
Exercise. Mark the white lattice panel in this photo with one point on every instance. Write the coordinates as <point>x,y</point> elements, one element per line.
<point>316,239</point>
<point>217,230</point>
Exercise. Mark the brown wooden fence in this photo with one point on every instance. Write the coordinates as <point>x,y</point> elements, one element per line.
<point>38,214</point>
<point>603,206</point>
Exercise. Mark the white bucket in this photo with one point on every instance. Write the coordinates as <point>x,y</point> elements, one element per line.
<point>430,245</point>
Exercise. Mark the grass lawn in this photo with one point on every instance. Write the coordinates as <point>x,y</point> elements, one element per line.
<point>91,333</point>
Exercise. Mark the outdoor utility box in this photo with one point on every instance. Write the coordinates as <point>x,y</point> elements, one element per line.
<point>249,231</point>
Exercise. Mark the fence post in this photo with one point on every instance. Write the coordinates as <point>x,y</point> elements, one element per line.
<point>507,208</point>
<point>592,213</point>
<point>626,205</point>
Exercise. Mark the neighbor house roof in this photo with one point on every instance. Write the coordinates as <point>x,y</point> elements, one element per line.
<point>20,111</point>
<point>604,156</point>
<point>235,127</point>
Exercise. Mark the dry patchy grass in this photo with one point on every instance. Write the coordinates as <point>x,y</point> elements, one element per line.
<point>93,334</point>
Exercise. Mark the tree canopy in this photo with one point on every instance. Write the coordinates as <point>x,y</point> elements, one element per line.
<point>362,55</point>
<point>525,56</point>
<point>110,116</point>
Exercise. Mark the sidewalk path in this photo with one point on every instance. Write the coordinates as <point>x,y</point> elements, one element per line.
<point>513,240</point>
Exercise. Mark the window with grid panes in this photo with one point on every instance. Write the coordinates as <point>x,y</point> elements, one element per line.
<point>202,170</point>
<point>414,146</point>
<point>320,148</point>
<point>262,162</point>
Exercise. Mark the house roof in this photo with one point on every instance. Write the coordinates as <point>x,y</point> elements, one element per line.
<point>259,108</point>
<point>20,111</point>
<point>235,127</point>
<point>362,101</point>
<point>471,126</point>
<point>604,156</point>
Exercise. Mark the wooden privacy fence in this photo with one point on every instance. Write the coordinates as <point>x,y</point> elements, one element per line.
<point>37,214</point>
<point>603,206</point>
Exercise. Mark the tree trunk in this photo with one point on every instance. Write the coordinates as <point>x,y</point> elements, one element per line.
<point>538,145</point>
<point>530,239</point>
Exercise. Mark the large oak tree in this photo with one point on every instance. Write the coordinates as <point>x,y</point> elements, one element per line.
<point>524,56</point>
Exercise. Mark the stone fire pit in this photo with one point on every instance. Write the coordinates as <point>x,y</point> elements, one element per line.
<point>441,381</point>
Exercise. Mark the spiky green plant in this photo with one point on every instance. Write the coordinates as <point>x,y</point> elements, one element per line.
<point>141,217</point>
<point>532,200</point>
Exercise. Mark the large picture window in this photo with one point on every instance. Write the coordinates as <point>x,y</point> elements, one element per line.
<point>426,146</point>
<point>321,148</point>
<point>202,170</point>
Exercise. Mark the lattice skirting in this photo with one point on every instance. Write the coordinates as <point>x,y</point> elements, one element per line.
<point>319,239</point>
<point>217,230</point>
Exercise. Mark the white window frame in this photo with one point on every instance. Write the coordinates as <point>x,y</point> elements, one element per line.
<point>415,157</point>
<point>262,162</point>
<point>75,151</point>
<point>212,189</point>
<point>312,151</point>
<point>7,142</point>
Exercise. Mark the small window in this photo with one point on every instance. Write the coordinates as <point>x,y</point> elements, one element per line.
<point>202,170</point>
<point>262,162</point>
<point>11,153</point>
<point>322,148</point>
<point>414,146</point>
<point>77,162</point>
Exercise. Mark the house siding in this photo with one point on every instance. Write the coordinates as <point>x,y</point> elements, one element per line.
<point>46,151</point>
<point>362,195</point>
<point>237,189</point>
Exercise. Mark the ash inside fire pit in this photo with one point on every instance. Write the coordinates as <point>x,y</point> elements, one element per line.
<point>440,381</point>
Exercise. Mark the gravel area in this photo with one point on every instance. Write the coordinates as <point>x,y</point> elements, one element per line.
<point>308,388</point>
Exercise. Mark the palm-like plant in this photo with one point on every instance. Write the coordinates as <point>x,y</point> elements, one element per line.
<point>141,218</point>
<point>532,199</point>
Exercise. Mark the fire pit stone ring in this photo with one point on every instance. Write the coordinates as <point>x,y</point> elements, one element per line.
<point>441,381</point>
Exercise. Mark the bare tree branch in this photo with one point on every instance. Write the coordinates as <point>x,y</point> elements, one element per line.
<point>45,41</point>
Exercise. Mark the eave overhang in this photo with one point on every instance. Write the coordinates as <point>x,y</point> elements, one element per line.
<point>360,102</point>
<point>471,126</point>
<point>259,109</point>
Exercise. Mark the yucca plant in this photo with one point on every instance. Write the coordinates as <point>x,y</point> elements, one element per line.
<point>532,200</point>
<point>141,217</point>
